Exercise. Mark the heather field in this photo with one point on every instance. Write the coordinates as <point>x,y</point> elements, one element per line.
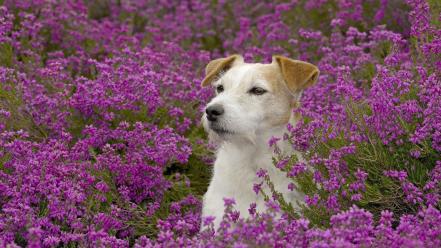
<point>101,143</point>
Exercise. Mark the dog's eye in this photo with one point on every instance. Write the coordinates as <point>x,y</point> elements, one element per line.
<point>257,91</point>
<point>219,88</point>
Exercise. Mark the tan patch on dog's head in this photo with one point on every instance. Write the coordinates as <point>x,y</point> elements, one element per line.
<point>287,79</point>
<point>285,102</point>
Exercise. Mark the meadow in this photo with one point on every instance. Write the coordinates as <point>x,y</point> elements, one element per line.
<point>101,143</point>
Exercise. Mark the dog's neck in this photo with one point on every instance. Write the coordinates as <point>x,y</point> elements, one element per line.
<point>256,146</point>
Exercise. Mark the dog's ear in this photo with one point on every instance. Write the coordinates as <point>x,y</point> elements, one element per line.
<point>215,67</point>
<point>297,74</point>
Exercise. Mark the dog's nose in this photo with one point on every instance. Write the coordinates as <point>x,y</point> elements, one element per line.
<point>214,111</point>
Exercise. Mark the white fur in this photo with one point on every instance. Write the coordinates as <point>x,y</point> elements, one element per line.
<point>245,149</point>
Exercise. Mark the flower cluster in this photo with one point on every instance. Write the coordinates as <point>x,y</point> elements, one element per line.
<point>352,228</point>
<point>100,141</point>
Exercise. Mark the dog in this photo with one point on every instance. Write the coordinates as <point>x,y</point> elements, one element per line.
<point>253,103</point>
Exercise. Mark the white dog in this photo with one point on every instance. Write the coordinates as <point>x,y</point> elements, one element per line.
<point>253,103</point>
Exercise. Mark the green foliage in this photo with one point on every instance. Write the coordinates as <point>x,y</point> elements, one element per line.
<point>6,55</point>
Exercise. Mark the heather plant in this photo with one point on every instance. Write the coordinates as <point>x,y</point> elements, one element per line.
<point>369,150</point>
<point>101,146</point>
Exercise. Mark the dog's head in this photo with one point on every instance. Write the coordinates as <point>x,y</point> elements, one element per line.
<point>252,98</point>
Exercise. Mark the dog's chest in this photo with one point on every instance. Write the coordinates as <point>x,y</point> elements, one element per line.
<point>235,175</point>
<point>236,169</point>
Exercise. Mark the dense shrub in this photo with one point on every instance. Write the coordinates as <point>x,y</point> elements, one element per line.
<point>101,144</point>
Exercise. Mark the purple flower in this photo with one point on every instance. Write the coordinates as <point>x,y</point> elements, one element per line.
<point>228,202</point>
<point>101,105</point>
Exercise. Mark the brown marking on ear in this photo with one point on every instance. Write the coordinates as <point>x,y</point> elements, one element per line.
<point>216,66</point>
<point>297,74</point>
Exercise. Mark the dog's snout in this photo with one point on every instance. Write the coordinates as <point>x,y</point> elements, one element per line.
<point>214,111</point>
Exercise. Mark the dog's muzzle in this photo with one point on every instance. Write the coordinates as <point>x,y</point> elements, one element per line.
<point>214,112</point>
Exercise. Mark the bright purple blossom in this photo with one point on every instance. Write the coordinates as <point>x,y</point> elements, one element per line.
<point>100,100</point>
